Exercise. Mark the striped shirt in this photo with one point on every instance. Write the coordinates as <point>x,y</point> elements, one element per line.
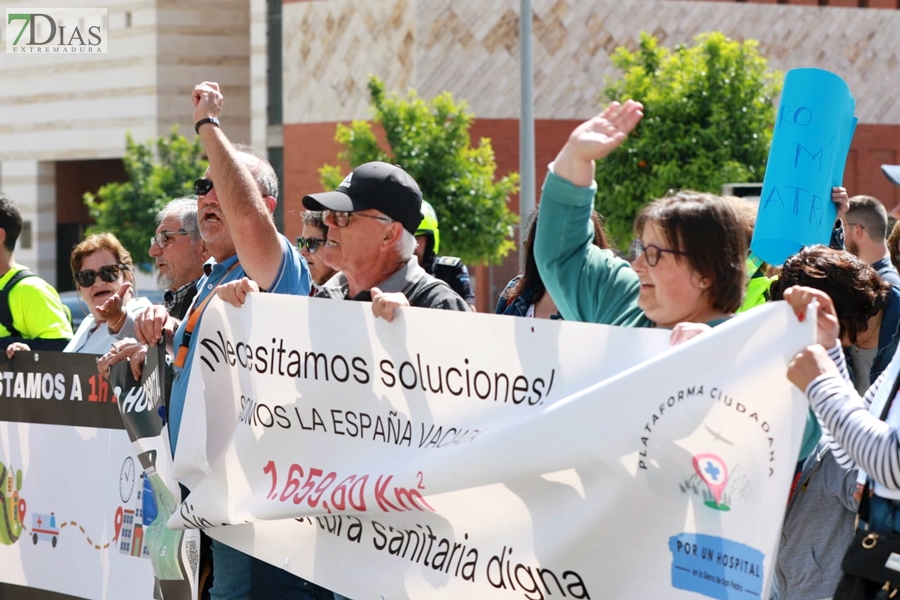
<point>858,438</point>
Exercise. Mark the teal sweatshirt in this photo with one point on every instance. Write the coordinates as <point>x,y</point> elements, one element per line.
<point>590,284</point>
<point>586,283</point>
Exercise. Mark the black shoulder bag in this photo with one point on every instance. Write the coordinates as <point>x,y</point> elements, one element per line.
<point>871,564</point>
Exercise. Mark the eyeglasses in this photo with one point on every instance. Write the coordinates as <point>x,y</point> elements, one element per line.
<point>860,225</point>
<point>311,244</point>
<point>341,218</point>
<point>108,273</point>
<point>650,252</point>
<point>202,186</point>
<point>161,239</point>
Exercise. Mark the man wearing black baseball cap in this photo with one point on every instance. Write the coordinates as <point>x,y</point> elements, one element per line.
<point>372,219</point>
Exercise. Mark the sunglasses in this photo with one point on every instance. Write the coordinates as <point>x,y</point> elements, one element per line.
<point>202,187</point>
<point>162,238</point>
<point>311,244</point>
<point>650,252</point>
<point>341,218</point>
<point>108,273</point>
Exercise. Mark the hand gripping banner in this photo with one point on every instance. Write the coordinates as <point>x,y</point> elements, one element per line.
<point>447,454</point>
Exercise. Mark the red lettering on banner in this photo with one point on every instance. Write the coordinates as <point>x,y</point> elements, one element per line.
<point>99,389</point>
<point>314,486</point>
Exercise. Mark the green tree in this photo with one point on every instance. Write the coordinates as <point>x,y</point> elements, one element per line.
<point>708,119</point>
<point>129,209</point>
<point>430,140</point>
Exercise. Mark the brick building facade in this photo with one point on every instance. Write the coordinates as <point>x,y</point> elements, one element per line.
<point>293,69</point>
<point>471,48</point>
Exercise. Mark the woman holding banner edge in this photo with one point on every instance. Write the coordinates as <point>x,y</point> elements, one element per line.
<point>865,431</point>
<point>689,249</point>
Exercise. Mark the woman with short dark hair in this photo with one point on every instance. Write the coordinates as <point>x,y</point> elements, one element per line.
<point>311,240</point>
<point>689,248</point>
<point>867,307</point>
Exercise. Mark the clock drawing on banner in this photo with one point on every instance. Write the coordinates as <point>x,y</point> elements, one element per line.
<point>126,480</point>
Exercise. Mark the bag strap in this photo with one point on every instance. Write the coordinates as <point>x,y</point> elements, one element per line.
<point>192,318</point>
<point>6,318</point>
<point>863,512</point>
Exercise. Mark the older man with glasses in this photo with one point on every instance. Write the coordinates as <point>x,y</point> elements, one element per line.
<point>372,219</point>
<point>236,199</point>
<point>179,252</point>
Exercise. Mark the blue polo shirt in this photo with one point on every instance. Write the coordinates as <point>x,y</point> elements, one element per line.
<point>292,278</point>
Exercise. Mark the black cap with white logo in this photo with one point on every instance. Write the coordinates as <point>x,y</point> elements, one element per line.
<point>375,185</point>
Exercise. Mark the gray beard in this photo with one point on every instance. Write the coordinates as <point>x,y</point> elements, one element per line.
<point>165,282</point>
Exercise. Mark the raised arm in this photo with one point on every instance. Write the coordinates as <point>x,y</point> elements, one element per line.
<point>246,210</point>
<point>585,282</point>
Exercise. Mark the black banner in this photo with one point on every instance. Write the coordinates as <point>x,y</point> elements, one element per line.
<point>9,591</point>
<point>143,404</point>
<point>55,388</point>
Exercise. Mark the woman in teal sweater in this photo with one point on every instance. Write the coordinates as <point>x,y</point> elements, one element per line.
<point>689,249</point>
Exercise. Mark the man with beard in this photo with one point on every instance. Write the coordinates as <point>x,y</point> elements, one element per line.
<point>179,252</point>
<point>865,232</point>
<point>236,198</point>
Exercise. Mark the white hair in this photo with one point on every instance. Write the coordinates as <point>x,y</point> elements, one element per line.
<point>406,245</point>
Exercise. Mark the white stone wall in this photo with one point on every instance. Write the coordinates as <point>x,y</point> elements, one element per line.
<point>63,107</point>
<point>203,41</point>
<point>330,49</point>
<point>32,184</point>
<point>470,48</point>
<point>259,64</point>
<point>69,107</point>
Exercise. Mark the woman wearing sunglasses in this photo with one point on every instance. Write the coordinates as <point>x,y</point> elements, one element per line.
<point>311,240</point>
<point>103,276</point>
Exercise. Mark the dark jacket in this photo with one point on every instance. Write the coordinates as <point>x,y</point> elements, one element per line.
<point>420,288</point>
<point>452,271</point>
<point>179,301</point>
<point>518,306</point>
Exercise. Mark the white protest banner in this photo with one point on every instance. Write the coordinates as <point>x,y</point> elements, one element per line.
<point>70,485</point>
<point>448,454</point>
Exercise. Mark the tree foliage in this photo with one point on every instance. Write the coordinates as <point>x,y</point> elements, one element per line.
<point>430,140</point>
<point>129,209</point>
<point>708,119</point>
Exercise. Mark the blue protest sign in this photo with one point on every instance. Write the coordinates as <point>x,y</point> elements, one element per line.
<point>813,131</point>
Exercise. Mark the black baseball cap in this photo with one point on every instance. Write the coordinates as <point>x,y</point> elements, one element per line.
<point>375,185</point>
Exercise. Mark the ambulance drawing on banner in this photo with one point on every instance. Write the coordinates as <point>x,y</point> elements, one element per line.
<point>44,528</point>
